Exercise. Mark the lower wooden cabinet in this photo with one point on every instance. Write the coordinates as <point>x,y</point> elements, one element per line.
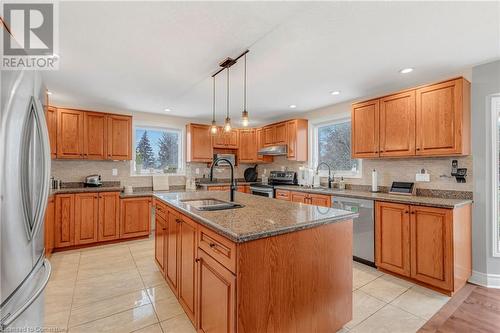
<point>109,216</point>
<point>49,225</point>
<point>86,218</point>
<point>282,195</point>
<point>64,233</point>
<point>187,267</point>
<point>160,238</point>
<point>429,245</point>
<point>172,250</point>
<point>135,217</point>
<point>308,198</point>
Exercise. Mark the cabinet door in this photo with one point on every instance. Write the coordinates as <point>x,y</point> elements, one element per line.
<point>248,146</point>
<point>172,251</point>
<point>51,117</point>
<point>86,218</point>
<point>365,129</point>
<point>280,134</point>
<point>109,216</point>
<point>69,134</point>
<point>320,200</point>
<point>397,125</point>
<point>298,197</point>
<point>392,237</point>
<point>160,232</point>
<point>232,139</point>
<point>292,139</point>
<point>439,118</point>
<point>219,139</point>
<point>283,195</point>
<point>216,296</point>
<point>64,234</point>
<point>199,143</point>
<point>259,138</point>
<point>431,246</point>
<point>119,137</point>
<point>95,136</point>
<point>135,217</point>
<point>187,267</point>
<point>50,216</point>
<point>269,132</point>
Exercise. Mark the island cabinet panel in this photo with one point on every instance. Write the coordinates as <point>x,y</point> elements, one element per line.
<point>392,237</point>
<point>397,124</point>
<point>198,143</point>
<point>109,216</point>
<point>86,218</point>
<point>216,297</point>
<point>218,247</point>
<point>51,118</point>
<point>49,225</point>
<point>160,237</point>
<point>365,129</point>
<point>187,267</point>
<point>277,273</point>
<point>172,250</point>
<point>119,131</point>
<point>70,134</point>
<point>443,118</point>
<point>94,136</point>
<point>135,217</point>
<point>64,234</point>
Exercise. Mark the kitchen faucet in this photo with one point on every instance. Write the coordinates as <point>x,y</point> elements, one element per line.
<point>330,178</point>
<point>232,188</point>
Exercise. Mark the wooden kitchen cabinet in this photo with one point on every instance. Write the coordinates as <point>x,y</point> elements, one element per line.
<point>300,197</point>
<point>269,133</point>
<point>226,140</point>
<point>172,250</point>
<point>49,226</point>
<point>109,216</point>
<point>95,136</point>
<point>216,296</point>
<point>135,217</point>
<point>280,134</point>
<point>443,118</point>
<point>392,237</point>
<point>198,143</point>
<point>187,266</point>
<point>308,198</point>
<point>70,134</point>
<point>64,233</point>
<point>86,218</point>
<point>397,124</point>
<point>160,240</point>
<point>430,245</point>
<point>297,140</point>
<point>365,129</point>
<point>51,118</point>
<point>119,137</point>
<point>259,138</point>
<point>320,200</point>
<point>283,195</point>
<point>248,146</point>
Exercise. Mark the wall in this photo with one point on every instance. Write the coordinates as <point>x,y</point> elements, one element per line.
<point>486,81</point>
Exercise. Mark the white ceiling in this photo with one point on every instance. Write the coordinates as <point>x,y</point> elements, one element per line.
<point>147,56</point>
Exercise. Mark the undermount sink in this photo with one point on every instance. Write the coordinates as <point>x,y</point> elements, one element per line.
<point>211,204</point>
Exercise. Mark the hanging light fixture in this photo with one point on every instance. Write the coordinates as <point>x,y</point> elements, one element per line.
<point>227,123</point>
<point>213,128</point>
<point>244,114</point>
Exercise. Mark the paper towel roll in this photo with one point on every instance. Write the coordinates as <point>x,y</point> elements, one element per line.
<point>374,181</point>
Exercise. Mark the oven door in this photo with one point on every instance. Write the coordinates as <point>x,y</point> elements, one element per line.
<point>263,192</point>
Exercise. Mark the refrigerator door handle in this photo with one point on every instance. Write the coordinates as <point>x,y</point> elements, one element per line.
<point>12,316</point>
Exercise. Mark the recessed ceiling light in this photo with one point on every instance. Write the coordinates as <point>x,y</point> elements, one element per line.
<point>293,106</point>
<point>406,70</point>
<point>335,92</point>
<point>49,92</point>
<point>167,110</point>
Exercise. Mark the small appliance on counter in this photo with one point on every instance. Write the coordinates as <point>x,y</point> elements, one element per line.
<point>275,178</point>
<point>93,181</point>
<point>404,188</point>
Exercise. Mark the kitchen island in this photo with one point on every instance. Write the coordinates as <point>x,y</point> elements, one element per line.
<point>270,266</point>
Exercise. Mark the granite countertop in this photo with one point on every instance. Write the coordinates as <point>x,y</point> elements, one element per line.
<point>85,189</point>
<point>223,183</point>
<point>259,218</point>
<point>413,200</point>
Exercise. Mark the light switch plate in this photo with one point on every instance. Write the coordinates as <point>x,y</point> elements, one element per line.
<point>423,177</point>
<point>114,172</point>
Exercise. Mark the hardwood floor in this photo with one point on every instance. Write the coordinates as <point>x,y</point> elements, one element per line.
<point>472,309</point>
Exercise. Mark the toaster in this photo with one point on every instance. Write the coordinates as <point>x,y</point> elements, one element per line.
<point>93,180</point>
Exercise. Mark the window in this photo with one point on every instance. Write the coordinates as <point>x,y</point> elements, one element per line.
<point>157,150</point>
<point>332,144</point>
<point>495,109</point>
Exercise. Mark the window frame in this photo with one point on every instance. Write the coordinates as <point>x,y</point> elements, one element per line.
<point>339,119</point>
<point>149,126</point>
<point>495,163</point>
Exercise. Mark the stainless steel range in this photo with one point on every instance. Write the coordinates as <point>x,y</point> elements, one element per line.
<point>275,178</point>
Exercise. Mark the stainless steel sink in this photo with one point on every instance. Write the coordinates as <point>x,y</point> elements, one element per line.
<point>211,204</point>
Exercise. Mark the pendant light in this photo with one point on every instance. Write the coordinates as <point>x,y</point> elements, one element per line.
<point>244,114</point>
<point>227,123</point>
<point>213,128</point>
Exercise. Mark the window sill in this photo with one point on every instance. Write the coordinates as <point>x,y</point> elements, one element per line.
<point>156,174</point>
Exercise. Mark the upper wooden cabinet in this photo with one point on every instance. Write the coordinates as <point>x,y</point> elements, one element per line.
<point>443,118</point>
<point>119,137</point>
<point>248,146</point>
<point>223,139</point>
<point>51,118</point>
<point>432,120</point>
<point>90,135</point>
<point>297,140</point>
<point>198,143</point>
<point>275,134</point>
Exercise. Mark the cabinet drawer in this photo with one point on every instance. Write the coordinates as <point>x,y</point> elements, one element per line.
<point>218,247</point>
<point>161,210</point>
<point>283,195</point>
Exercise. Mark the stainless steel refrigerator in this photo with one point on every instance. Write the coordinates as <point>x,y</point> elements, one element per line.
<point>24,187</point>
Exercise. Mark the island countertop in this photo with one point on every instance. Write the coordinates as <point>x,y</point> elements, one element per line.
<point>259,218</point>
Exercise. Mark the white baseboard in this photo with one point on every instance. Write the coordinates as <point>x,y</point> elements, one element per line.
<point>485,280</point>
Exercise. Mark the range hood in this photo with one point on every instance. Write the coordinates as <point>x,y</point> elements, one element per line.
<point>273,150</point>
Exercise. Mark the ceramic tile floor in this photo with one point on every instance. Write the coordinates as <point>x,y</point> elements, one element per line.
<point>118,288</point>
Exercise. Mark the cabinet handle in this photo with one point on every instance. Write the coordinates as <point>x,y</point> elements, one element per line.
<point>211,245</point>
<point>406,212</point>
<point>418,148</point>
<point>197,260</point>
<point>163,229</point>
<point>178,220</point>
<point>412,213</point>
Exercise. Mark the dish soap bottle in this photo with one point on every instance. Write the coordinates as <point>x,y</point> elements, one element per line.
<point>341,184</point>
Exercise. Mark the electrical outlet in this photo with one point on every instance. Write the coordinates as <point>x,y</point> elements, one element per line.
<point>114,172</point>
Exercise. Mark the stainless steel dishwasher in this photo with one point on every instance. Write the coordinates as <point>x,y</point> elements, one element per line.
<point>363,227</point>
